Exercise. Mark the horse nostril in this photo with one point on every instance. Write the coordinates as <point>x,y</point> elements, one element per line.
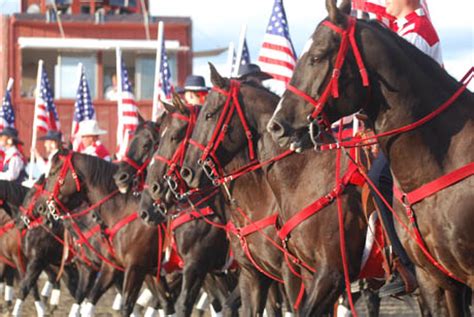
<point>186,173</point>
<point>155,189</point>
<point>275,128</point>
<point>144,215</point>
<point>123,177</point>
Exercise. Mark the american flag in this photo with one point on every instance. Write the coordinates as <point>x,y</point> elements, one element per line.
<point>277,55</point>
<point>128,113</point>
<point>46,114</point>
<point>83,108</point>
<point>7,115</point>
<point>162,82</point>
<point>376,10</point>
<point>244,58</point>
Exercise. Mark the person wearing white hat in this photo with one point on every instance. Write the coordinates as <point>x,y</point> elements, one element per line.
<point>89,132</point>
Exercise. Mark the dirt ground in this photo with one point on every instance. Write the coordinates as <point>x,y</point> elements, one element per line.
<point>405,307</point>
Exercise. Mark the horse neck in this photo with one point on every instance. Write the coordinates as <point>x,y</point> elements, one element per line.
<point>405,96</point>
<point>4,217</point>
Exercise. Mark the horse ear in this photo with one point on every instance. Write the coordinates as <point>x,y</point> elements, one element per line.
<point>140,118</point>
<point>179,104</point>
<point>345,7</point>
<point>336,15</point>
<point>216,78</point>
<point>168,107</point>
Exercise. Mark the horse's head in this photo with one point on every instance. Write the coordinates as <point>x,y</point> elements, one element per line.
<point>231,121</point>
<point>131,171</point>
<point>326,84</point>
<point>63,184</point>
<point>162,179</point>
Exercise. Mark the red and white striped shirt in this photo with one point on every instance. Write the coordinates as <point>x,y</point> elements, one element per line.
<point>96,149</point>
<point>417,29</point>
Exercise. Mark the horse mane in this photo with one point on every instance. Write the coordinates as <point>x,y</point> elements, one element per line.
<point>425,63</point>
<point>100,172</point>
<point>254,84</point>
<point>12,192</point>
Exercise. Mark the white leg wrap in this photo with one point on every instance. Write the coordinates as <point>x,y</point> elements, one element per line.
<point>265,313</point>
<point>17,308</point>
<point>75,310</point>
<point>88,310</point>
<point>117,304</point>
<point>161,313</point>
<point>47,288</point>
<point>55,296</point>
<point>151,312</point>
<point>8,293</point>
<point>202,302</point>
<point>40,311</point>
<point>289,314</point>
<point>343,311</point>
<point>145,298</point>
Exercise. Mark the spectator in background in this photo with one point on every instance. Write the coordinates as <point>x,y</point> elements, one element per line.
<point>89,132</point>
<point>252,72</point>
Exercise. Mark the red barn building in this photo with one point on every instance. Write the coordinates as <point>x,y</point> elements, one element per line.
<point>88,33</point>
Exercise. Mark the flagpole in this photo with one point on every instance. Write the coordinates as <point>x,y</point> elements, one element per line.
<point>159,42</point>
<point>118,71</point>
<point>10,84</point>
<point>80,69</point>
<point>240,48</point>
<point>230,58</point>
<point>35,127</point>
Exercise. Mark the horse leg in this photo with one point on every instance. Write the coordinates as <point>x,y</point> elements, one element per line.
<point>456,301</point>
<point>9,277</point>
<point>133,280</point>
<point>162,294</point>
<point>28,281</point>
<point>432,295</point>
<point>102,283</point>
<point>292,288</point>
<point>253,289</point>
<point>372,302</point>
<point>193,278</point>
<point>40,309</point>
<point>274,301</point>
<point>325,289</point>
<point>232,303</point>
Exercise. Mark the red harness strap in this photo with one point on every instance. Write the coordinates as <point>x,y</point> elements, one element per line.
<point>316,206</point>
<point>243,232</point>
<point>111,232</point>
<point>332,88</point>
<point>187,216</point>
<point>7,227</point>
<point>417,195</point>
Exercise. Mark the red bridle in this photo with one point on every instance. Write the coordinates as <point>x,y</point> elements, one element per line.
<point>177,158</point>
<point>332,88</point>
<point>231,105</point>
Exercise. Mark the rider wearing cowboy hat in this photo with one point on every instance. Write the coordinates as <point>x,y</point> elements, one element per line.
<point>14,163</point>
<point>89,132</point>
<point>52,144</point>
<point>252,72</point>
<point>195,90</point>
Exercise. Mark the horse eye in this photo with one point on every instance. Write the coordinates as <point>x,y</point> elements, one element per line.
<point>313,60</point>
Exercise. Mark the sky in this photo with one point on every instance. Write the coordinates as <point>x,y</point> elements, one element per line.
<point>217,22</point>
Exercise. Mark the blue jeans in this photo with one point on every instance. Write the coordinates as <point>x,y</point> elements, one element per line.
<point>381,176</point>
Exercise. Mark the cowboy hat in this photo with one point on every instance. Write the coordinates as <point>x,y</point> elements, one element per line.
<point>252,70</point>
<point>195,83</point>
<point>11,133</point>
<point>89,127</point>
<point>52,135</point>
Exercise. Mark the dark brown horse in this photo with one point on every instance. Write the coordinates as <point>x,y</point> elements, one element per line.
<point>297,181</point>
<point>135,245</point>
<point>203,261</point>
<point>405,86</point>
